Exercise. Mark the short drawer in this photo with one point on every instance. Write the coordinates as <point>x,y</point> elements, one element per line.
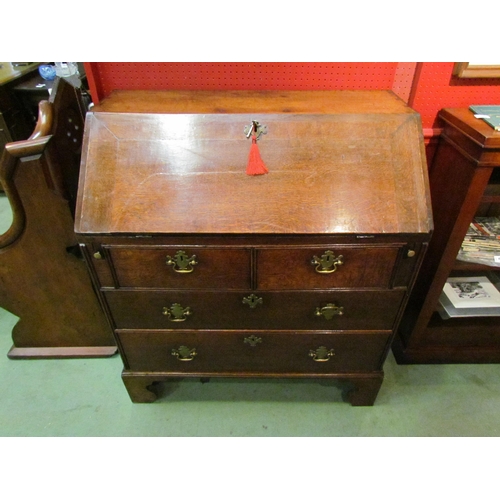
<point>325,267</point>
<point>332,310</point>
<point>253,352</point>
<point>176,267</point>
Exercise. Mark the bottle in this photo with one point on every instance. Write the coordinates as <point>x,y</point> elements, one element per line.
<point>65,69</point>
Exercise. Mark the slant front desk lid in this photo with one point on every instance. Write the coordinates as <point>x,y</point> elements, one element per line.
<point>339,162</point>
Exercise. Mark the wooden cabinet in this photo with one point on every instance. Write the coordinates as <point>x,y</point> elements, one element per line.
<point>464,181</point>
<point>205,271</point>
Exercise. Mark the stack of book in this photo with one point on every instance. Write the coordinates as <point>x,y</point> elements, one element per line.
<point>490,114</point>
<point>469,296</point>
<point>481,244</point>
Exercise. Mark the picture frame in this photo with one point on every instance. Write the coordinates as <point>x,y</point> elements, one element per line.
<point>475,70</point>
<point>460,298</point>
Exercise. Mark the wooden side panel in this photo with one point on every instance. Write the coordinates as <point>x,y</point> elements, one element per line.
<point>43,279</point>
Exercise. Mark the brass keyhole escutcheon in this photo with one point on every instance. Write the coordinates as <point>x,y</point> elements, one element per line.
<point>327,263</point>
<point>253,301</point>
<point>252,340</point>
<point>176,312</point>
<point>329,311</point>
<point>255,128</point>
<point>181,263</point>
<point>321,354</point>
<point>184,353</point>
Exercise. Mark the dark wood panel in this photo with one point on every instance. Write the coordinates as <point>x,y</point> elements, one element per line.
<point>473,332</point>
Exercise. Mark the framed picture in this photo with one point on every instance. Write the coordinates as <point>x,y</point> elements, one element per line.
<point>476,70</point>
<point>469,296</point>
<point>472,291</point>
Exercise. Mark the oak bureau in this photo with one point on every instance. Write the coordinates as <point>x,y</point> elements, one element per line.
<point>206,271</point>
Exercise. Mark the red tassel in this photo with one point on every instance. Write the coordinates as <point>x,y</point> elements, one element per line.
<point>255,164</point>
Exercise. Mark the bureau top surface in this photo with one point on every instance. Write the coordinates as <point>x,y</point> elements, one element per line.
<point>340,162</point>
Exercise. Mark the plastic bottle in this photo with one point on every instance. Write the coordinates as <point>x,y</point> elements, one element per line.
<point>65,69</point>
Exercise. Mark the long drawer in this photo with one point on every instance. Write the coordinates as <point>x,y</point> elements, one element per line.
<point>178,309</point>
<point>253,351</point>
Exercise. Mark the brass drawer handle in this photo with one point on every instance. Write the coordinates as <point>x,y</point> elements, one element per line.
<point>329,311</point>
<point>181,263</point>
<point>253,301</point>
<point>176,312</point>
<point>327,263</point>
<point>184,353</point>
<point>321,354</point>
<point>252,340</point>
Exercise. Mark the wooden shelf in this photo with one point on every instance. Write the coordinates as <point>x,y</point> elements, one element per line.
<point>464,181</point>
<point>461,266</point>
<point>491,194</point>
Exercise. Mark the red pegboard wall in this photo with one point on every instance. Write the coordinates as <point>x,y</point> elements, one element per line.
<point>108,76</point>
<point>435,88</point>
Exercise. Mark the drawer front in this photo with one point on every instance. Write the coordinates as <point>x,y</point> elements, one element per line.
<point>186,267</point>
<point>325,267</point>
<point>253,352</point>
<point>332,310</point>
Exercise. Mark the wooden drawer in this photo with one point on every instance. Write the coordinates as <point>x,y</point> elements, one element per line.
<point>362,310</point>
<point>147,267</point>
<point>252,352</point>
<point>293,268</point>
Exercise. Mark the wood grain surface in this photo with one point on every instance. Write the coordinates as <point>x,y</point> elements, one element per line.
<point>335,173</point>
